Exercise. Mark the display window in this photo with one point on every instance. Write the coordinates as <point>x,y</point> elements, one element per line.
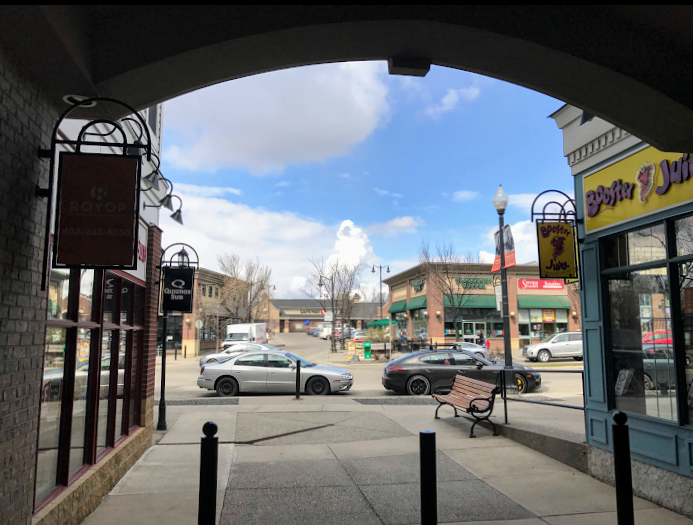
<point>540,323</point>
<point>401,329</point>
<point>91,374</point>
<point>419,323</point>
<point>647,278</point>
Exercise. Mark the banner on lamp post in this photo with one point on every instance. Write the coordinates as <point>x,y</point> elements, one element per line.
<point>177,289</point>
<point>556,244</point>
<point>508,249</point>
<point>97,211</point>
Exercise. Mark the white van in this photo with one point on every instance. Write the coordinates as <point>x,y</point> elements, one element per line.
<point>245,333</point>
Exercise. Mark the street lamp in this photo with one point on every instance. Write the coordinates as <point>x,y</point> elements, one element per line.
<point>500,201</point>
<point>380,268</point>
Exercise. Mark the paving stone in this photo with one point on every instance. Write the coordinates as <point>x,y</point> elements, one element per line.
<point>289,474</point>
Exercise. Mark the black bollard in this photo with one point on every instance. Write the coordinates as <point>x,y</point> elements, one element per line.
<point>622,472</point>
<point>209,456</point>
<point>429,487</point>
<point>298,379</point>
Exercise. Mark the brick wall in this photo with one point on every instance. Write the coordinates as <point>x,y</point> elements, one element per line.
<point>151,305</point>
<point>26,121</point>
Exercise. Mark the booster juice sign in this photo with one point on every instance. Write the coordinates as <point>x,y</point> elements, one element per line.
<point>97,211</point>
<point>540,284</point>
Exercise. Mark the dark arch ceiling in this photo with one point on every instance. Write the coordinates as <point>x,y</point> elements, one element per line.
<point>628,65</point>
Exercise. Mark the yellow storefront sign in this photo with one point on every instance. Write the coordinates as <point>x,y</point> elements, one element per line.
<point>644,183</point>
<point>556,242</point>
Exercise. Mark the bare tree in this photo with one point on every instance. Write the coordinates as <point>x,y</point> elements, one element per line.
<point>446,270</point>
<point>332,283</point>
<point>245,281</point>
<point>573,290</point>
<point>371,294</point>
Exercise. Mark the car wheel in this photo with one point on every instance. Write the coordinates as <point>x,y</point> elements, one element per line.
<point>418,386</point>
<point>543,356</point>
<point>318,386</point>
<point>521,384</point>
<point>578,358</point>
<point>227,387</point>
<point>649,384</point>
<point>211,360</point>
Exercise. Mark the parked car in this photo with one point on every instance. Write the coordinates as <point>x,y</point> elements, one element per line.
<point>476,349</point>
<point>658,338</point>
<point>82,374</point>
<point>427,372</point>
<point>235,350</point>
<point>272,371</point>
<point>564,344</point>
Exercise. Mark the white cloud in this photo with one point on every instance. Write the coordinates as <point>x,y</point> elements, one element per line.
<point>282,184</point>
<point>486,257</point>
<point>450,100</point>
<point>205,191</point>
<point>464,195</point>
<point>523,201</point>
<point>352,246</point>
<point>385,193</point>
<point>266,122</point>
<point>397,225</point>
<point>344,175</point>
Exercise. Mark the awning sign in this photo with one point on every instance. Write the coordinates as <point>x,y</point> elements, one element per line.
<point>177,291</point>
<point>556,243</point>
<point>97,211</point>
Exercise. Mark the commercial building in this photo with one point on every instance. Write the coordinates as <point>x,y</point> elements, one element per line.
<point>297,315</point>
<point>635,207</point>
<point>538,307</point>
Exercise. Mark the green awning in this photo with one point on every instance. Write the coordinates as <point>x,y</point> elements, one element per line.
<point>380,323</point>
<point>399,306</point>
<point>417,302</point>
<point>472,301</point>
<point>543,301</point>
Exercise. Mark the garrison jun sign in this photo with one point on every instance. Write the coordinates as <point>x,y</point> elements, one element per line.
<point>644,183</point>
<point>556,242</point>
<point>97,211</point>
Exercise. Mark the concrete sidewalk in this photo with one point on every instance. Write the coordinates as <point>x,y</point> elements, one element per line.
<point>336,461</point>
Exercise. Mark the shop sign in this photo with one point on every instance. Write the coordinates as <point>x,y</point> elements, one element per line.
<point>177,291</point>
<point>645,312</point>
<point>508,249</point>
<point>417,285</point>
<point>84,345</point>
<point>548,316</point>
<point>329,317</point>
<point>97,211</point>
<point>499,297</point>
<point>351,347</point>
<point>535,315</point>
<point>561,316</point>
<point>639,185</point>
<point>478,283</point>
<point>540,284</point>
<point>556,243</point>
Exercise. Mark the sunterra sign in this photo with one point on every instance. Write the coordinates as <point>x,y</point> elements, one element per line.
<point>644,183</point>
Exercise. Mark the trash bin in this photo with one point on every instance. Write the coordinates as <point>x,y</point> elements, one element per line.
<point>367,350</point>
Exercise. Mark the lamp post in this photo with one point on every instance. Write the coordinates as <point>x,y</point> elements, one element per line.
<point>500,201</point>
<point>389,324</point>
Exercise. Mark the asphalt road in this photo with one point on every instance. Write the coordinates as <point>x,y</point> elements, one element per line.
<point>181,374</point>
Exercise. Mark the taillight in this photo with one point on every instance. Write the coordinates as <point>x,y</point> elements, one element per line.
<point>202,370</point>
<point>394,369</point>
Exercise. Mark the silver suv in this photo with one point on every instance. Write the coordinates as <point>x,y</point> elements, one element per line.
<point>565,344</point>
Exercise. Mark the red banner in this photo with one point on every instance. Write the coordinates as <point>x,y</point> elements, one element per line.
<point>540,284</point>
<point>97,210</point>
<point>509,249</point>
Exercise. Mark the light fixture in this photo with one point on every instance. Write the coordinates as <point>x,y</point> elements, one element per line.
<point>183,258</point>
<point>152,180</point>
<point>136,150</point>
<point>512,314</point>
<point>373,270</point>
<point>438,313</point>
<point>76,100</point>
<point>574,313</point>
<point>426,313</point>
<point>408,66</point>
<point>388,268</point>
<point>500,200</point>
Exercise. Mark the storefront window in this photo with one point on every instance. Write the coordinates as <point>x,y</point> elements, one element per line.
<point>86,293</point>
<point>686,287</point>
<point>401,330</point>
<point>79,404</point>
<point>419,324</point>
<point>638,247</point>
<point>58,290</point>
<point>104,390</point>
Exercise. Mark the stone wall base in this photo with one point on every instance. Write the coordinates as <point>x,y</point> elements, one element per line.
<point>78,500</point>
<point>663,487</point>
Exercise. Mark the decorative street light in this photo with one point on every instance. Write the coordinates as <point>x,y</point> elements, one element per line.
<point>500,201</point>
<point>380,268</point>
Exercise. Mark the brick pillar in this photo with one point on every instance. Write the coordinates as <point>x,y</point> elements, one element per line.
<point>26,122</point>
<point>436,323</point>
<point>151,306</point>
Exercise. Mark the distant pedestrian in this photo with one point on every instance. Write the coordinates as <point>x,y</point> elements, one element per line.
<point>488,345</point>
<point>482,341</point>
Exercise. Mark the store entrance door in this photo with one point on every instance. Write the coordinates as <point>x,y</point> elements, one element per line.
<point>471,331</point>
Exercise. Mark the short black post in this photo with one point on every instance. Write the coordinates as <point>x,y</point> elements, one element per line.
<point>175,352</point>
<point>209,456</point>
<point>429,486</point>
<point>298,379</point>
<point>185,352</point>
<point>622,472</point>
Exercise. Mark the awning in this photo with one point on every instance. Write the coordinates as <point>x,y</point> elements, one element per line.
<point>399,306</point>
<point>381,322</point>
<point>472,301</point>
<point>543,301</point>
<point>417,302</point>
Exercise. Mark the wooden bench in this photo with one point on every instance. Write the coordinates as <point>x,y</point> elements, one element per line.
<point>473,396</point>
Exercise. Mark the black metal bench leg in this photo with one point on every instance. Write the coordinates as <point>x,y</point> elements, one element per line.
<point>495,432</point>
<point>471,432</point>
<point>440,405</point>
<point>456,414</point>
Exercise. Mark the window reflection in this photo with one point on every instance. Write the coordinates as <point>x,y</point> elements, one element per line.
<point>121,384</point>
<point>125,302</point>
<point>49,426</point>
<point>58,291</point>
<point>641,246</point>
<point>134,398</point>
<point>110,292</point>
<point>102,420</point>
<point>643,364</point>
<point>686,284</point>
<point>684,236</point>
<point>86,293</point>
<point>79,406</point>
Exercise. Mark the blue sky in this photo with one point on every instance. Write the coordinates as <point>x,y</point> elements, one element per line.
<point>276,165</point>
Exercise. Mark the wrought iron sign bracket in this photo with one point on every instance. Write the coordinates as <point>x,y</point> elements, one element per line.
<point>136,148</point>
<point>567,211</point>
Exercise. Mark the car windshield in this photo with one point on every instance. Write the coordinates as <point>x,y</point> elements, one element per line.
<point>237,337</point>
<point>296,358</point>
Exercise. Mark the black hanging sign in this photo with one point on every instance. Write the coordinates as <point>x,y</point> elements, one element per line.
<point>177,291</point>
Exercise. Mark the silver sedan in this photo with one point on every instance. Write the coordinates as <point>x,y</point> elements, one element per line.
<point>474,348</point>
<point>270,372</point>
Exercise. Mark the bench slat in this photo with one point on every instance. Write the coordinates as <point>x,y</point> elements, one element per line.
<point>474,382</point>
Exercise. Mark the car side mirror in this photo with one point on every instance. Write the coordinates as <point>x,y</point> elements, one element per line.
<point>292,366</point>
<point>479,366</point>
